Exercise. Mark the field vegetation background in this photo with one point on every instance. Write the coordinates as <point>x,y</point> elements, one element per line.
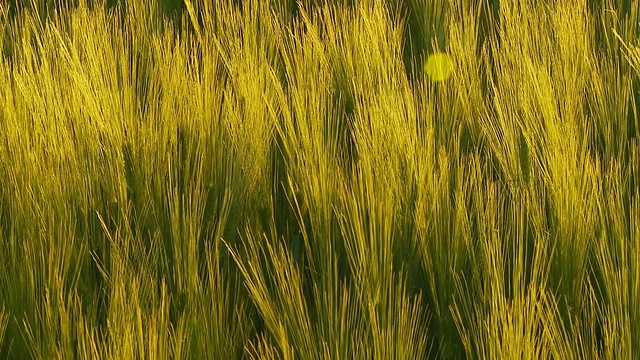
<point>281,180</point>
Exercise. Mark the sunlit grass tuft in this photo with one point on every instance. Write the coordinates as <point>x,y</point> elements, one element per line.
<point>326,179</point>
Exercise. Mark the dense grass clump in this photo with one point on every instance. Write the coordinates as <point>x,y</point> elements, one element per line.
<point>278,179</point>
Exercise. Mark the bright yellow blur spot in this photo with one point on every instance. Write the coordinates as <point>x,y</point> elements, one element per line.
<point>439,67</point>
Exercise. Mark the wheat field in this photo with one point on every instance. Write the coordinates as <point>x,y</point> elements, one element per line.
<point>320,179</point>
